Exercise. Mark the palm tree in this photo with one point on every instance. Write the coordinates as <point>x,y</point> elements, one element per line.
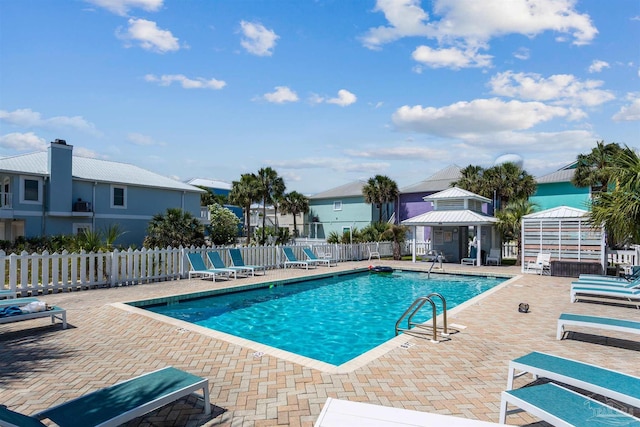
<point>380,190</point>
<point>510,221</point>
<point>506,182</point>
<point>396,234</point>
<point>244,193</point>
<point>174,228</point>
<point>294,203</point>
<point>389,192</point>
<point>619,209</point>
<point>270,185</point>
<point>593,170</point>
<point>471,179</point>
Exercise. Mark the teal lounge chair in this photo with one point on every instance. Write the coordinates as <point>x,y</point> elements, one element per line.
<point>562,407</point>
<point>218,264</point>
<point>607,284</point>
<point>607,323</point>
<point>7,293</point>
<point>119,403</point>
<point>238,261</point>
<point>635,274</point>
<point>292,261</point>
<point>311,257</point>
<point>606,382</point>
<point>199,269</point>
<point>632,296</point>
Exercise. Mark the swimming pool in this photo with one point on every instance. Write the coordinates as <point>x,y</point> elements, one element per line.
<point>332,319</point>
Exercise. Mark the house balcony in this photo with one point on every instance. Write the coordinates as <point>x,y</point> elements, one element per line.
<point>6,200</point>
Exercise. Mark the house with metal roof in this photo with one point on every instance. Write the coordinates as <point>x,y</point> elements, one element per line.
<point>342,209</point>
<point>457,216</point>
<point>411,201</point>
<point>55,192</point>
<point>556,189</point>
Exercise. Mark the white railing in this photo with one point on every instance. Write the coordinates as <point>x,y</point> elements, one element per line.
<point>44,273</point>
<point>623,257</point>
<point>6,200</point>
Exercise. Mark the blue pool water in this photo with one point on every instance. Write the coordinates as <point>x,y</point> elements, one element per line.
<point>332,319</point>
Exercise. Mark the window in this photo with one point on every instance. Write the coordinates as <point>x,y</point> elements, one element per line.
<point>30,190</point>
<point>337,206</point>
<point>118,197</point>
<point>79,228</point>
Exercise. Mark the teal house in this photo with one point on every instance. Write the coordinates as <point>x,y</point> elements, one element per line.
<point>342,209</point>
<point>556,189</point>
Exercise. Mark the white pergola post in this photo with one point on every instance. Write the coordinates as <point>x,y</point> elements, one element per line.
<point>413,244</point>
<point>479,247</point>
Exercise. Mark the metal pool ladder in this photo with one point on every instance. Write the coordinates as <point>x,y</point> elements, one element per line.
<point>415,307</point>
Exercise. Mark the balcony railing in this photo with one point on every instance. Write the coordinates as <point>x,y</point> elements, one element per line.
<point>6,201</point>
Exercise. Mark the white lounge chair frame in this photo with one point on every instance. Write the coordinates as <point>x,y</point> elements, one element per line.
<point>336,412</point>
<point>602,381</point>
<point>55,313</point>
<point>541,266</point>
<point>311,257</point>
<point>80,411</point>
<point>293,261</point>
<point>606,323</point>
<point>543,401</point>
<point>625,296</point>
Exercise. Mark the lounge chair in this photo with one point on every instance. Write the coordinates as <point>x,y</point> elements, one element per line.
<point>336,412</point>
<point>373,254</point>
<point>312,257</point>
<point>56,313</point>
<point>119,403</point>
<point>495,256</point>
<point>588,291</point>
<point>635,275</point>
<point>606,323</point>
<point>542,264</point>
<point>218,264</point>
<point>595,379</point>
<point>472,258</point>
<point>7,293</point>
<point>562,407</point>
<point>238,261</point>
<point>292,261</point>
<point>199,269</point>
<point>607,284</point>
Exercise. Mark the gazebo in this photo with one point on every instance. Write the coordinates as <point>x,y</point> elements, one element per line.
<point>576,246</point>
<point>455,212</point>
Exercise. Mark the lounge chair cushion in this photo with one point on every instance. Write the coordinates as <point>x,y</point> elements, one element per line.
<point>10,418</point>
<point>127,400</point>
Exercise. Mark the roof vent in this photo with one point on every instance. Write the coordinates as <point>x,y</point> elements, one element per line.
<point>60,141</point>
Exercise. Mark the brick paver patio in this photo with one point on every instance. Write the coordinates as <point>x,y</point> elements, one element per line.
<point>42,365</point>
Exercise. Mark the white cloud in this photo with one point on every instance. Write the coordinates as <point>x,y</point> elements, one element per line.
<point>450,57</point>
<point>400,152</point>
<point>597,66</point>
<point>149,36</point>
<point>28,118</point>
<point>143,140</point>
<point>122,7</point>
<point>185,82</point>
<point>335,164</point>
<point>281,95</point>
<point>406,18</point>
<point>23,142</point>
<point>474,23</point>
<point>257,39</point>
<point>630,112</point>
<point>343,99</point>
<point>522,53</point>
<point>481,21</point>
<point>480,116</point>
<point>563,89</point>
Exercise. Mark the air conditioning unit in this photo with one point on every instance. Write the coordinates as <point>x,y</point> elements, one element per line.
<point>82,207</point>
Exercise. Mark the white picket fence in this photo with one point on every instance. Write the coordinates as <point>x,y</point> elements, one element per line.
<point>35,274</point>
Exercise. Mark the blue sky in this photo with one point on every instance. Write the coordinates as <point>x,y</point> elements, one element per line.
<point>324,91</point>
